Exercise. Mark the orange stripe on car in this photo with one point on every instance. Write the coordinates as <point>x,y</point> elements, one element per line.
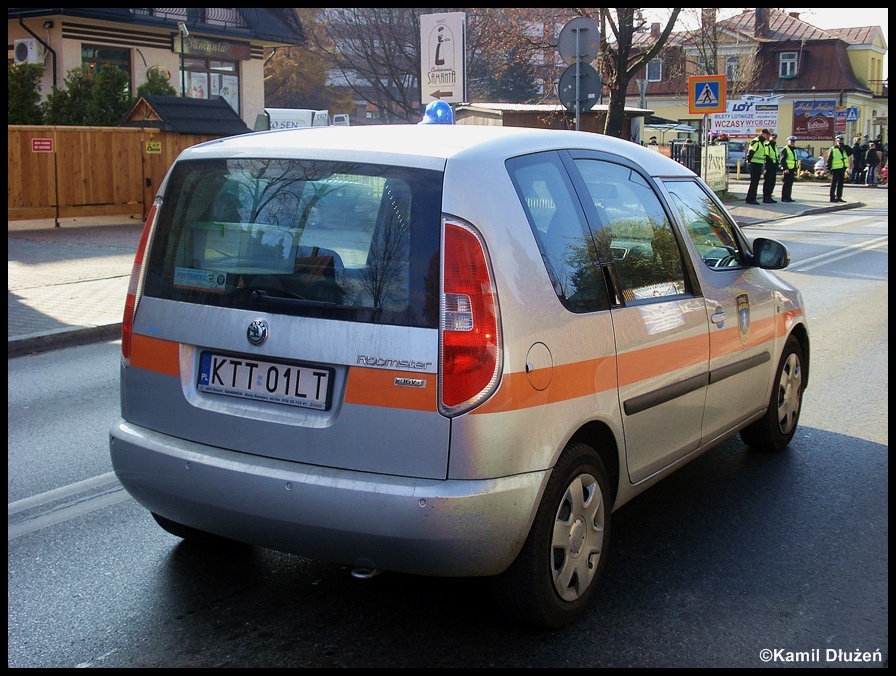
<point>727,341</point>
<point>650,362</point>
<point>154,354</point>
<point>567,381</point>
<point>393,389</point>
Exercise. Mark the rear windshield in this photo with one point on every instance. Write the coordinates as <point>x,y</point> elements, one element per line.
<point>344,241</point>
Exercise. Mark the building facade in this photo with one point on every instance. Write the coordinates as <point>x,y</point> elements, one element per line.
<point>781,72</point>
<point>203,52</point>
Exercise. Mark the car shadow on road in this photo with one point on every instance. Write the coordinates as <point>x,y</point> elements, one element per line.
<point>737,545</point>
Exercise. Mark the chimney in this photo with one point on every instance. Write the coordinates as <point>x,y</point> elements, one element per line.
<point>795,15</point>
<point>761,27</point>
<point>655,31</point>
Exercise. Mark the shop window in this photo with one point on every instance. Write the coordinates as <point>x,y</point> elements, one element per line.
<point>97,56</point>
<point>210,78</point>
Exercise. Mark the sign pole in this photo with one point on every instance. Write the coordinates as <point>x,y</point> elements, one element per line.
<point>579,84</point>
<point>578,78</point>
<point>704,135</point>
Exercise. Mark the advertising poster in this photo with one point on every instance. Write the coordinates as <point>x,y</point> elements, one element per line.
<point>229,89</point>
<point>197,85</point>
<point>814,120</point>
<point>840,120</point>
<point>744,117</point>
<point>442,60</point>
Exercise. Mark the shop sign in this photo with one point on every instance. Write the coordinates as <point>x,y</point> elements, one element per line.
<point>216,49</point>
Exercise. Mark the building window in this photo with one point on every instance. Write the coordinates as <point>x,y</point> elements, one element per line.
<point>731,70</point>
<point>210,78</point>
<point>655,70</point>
<point>96,56</point>
<point>787,64</point>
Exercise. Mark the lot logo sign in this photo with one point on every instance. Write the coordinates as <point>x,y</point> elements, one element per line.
<point>744,117</point>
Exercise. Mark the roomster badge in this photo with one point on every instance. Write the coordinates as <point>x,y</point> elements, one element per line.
<point>257,332</point>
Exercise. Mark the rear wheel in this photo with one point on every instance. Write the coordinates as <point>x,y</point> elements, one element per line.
<point>776,428</point>
<point>554,578</point>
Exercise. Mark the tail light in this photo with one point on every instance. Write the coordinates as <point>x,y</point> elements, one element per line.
<point>135,286</point>
<point>469,323</point>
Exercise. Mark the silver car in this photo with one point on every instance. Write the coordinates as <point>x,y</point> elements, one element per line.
<point>443,350</point>
<point>737,155</point>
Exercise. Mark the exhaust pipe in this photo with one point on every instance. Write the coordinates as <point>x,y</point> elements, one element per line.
<point>363,573</point>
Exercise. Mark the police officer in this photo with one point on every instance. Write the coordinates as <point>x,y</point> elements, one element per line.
<point>771,169</point>
<point>838,163</point>
<point>756,161</point>
<point>789,168</point>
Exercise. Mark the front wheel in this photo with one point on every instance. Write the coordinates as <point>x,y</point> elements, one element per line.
<point>776,428</point>
<point>554,578</point>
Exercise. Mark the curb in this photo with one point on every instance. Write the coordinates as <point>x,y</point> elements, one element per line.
<point>808,212</point>
<point>45,341</point>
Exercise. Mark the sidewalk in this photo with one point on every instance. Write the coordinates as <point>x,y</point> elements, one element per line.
<point>67,285</point>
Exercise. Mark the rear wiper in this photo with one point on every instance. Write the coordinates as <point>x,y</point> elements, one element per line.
<point>264,298</point>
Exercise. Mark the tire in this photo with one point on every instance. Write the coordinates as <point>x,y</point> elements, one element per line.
<point>553,580</point>
<point>190,534</point>
<point>776,428</point>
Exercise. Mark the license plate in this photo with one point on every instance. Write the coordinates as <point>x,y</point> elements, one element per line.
<point>240,376</point>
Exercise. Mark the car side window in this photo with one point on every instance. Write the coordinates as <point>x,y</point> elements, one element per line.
<point>560,228</point>
<point>707,225</point>
<point>635,226</point>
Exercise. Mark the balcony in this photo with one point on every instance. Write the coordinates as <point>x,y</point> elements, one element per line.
<point>879,88</point>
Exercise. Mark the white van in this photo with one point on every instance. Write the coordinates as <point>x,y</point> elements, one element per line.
<point>291,118</point>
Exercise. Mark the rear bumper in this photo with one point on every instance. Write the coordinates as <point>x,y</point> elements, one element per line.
<point>418,526</point>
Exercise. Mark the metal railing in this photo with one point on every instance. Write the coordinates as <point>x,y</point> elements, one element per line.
<point>879,88</point>
<point>217,16</point>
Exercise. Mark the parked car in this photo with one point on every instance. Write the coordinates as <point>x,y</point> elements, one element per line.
<point>443,350</point>
<point>736,152</point>
<point>807,160</point>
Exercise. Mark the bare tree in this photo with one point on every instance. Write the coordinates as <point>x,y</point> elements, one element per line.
<point>620,62</point>
<point>375,52</point>
<point>533,33</point>
<point>709,47</point>
<point>296,77</point>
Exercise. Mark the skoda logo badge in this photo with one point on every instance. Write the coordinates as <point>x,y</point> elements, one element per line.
<point>257,332</point>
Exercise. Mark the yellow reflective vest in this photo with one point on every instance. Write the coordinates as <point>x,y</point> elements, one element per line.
<point>757,150</point>
<point>837,158</point>
<point>788,158</point>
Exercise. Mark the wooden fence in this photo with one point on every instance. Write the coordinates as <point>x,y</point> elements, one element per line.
<point>69,172</point>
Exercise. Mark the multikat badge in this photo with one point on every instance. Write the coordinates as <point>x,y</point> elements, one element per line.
<point>743,316</point>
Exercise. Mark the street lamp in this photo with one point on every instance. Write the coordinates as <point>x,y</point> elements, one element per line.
<point>184,33</point>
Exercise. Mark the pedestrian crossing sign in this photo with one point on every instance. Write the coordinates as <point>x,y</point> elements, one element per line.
<point>706,94</point>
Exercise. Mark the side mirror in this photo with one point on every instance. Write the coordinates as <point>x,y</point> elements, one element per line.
<point>770,254</point>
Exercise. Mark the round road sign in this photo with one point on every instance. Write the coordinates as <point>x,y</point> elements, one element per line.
<point>579,40</point>
<point>589,87</point>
